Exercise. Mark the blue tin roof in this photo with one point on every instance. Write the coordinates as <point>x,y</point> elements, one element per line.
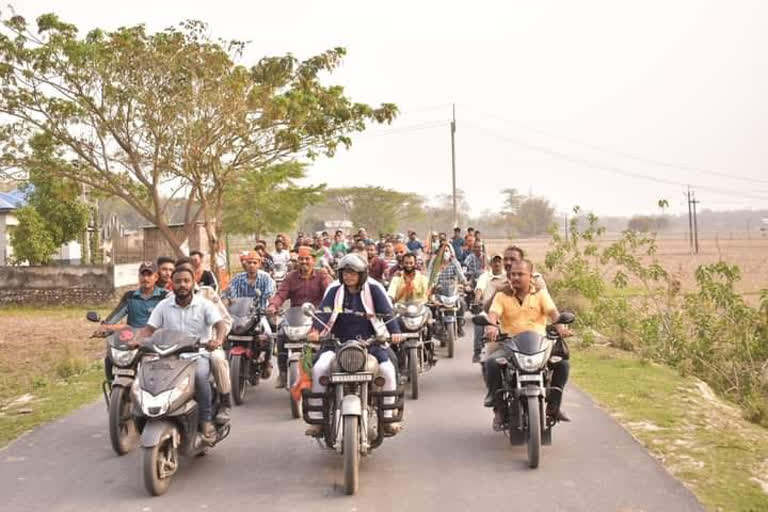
<point>12,200</point>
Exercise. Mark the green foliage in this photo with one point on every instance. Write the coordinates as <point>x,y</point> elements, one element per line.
<point>525,217</point>
<point>134,114</point>
<point>31,240</point>
<point>268,200</point>
<point>710,332</point>
<point>375,208</point>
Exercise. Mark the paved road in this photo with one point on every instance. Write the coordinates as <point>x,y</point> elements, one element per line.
<point>447,459</point>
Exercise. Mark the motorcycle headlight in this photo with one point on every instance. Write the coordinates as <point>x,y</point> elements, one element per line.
<point>351,358</point>
<point>413,323</point>
<point>123,357</point>
<point>530,362</point>
<point>449,301</point>
<point>297,332</point>
<point>412,309</point>
<point>158,405</point>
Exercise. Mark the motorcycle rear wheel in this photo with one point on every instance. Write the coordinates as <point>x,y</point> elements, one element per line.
<point>122,429</point>
<point>351,450</point>
<point>152,457</point>
<point>413,370</point>
<point>534,432</point>
<point>237,372</point>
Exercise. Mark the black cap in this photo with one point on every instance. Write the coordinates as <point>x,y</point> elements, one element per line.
<point>147,266</point>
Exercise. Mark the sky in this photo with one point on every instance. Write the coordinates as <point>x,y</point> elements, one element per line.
<point>610,105</point>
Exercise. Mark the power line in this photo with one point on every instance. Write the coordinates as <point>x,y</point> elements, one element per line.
<point>609,168</point>
<point>623,154</point>
<point>405,129</point>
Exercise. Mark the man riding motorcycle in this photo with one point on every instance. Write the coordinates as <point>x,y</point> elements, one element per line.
<point>306,284</point>
<point>409,285</point>
<point>245,284</point>
<point>525,308</point>
<point>446,277</point>
<point>487,285</point>
<point>355,294</point>
<point>137,305</point>
<point>185,311</point>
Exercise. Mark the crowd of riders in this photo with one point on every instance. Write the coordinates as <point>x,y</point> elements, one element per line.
<point>336,272</point>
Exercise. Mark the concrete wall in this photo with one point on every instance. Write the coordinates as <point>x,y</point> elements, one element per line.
<point>56,285</point>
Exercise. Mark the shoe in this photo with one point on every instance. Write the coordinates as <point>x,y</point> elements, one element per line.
<point>266,370</point>
<point>392,428</point>
<point>556,412</point>
<point>282,380</point>
<point>562,416</point>
<point>208,433</point>
<point>498,419</point>
<point>314,431</point>
<point>488,402</point>
<point>476,358</point>
<point>225,409</point>
<point>460,331</point>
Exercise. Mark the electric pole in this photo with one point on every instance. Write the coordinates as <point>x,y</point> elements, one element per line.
<point>690,221</point>
<point>566,228</point>
<point>695,224</point>
<point>453,165</point>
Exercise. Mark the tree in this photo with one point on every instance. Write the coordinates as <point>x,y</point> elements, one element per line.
<point>149,117</point>
<point>534,217</point>
<point>268,200</point>
<point>375,208</point>
<point>513,199</point>
<point>31,241</point>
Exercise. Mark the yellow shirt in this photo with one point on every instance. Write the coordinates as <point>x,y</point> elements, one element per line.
<point>419,288</point>
<point>531,315</point>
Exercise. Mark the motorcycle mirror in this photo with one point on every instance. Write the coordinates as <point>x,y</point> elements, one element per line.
<point>93,316</point>
<point>308,309</point>
<point>482,319</point>
<point>566,317</point>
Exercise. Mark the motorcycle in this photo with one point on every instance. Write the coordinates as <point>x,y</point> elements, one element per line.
<point>445,312</point>
<point>415,355</point>
<point>164,392</point>
<point>248,345</point>
<point>526,378</point>
<point>353,406</point>
<point>123,433</point>
<point>295,327</point>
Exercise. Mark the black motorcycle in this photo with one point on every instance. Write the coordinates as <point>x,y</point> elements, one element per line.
<point>166,411</point>
<point>526,385</point>
<point>416,354</point>
<point>248,345</point>
<point>123,433</point>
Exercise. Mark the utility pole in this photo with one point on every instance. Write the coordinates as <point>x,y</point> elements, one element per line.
<point>690,221</point>
<point>566,228</point>
<point>695,224</point>
<point>453,165</point>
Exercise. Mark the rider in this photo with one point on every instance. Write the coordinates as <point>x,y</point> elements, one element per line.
<point>376,265</point>
<point>137,305</point>
<point>414,245</point>
<point>281,256</point>
<point>487,285</point>
<point>339,245</point>
<point>526,308</point>
<point>475,262</point>
<point>408,284</point>
<point>458,244</point>
<point>355,295</point>
<point>400,250</point>
<point>191,313</point>
<point>165,266</point>
<point>306,284</point>
<point>245,284</point>
<point>202,277</point>
<point>446,278</point>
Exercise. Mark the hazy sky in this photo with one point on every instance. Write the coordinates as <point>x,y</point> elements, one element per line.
<point>583,102</point>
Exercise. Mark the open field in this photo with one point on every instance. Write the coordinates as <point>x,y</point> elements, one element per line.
<point>751,255</point>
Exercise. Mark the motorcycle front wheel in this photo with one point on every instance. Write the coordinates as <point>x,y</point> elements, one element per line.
<point>351,450</point>
<point>450,335</point>
<point>293,378</point>
<point>534,432</point>
<point>122,429</point>
<point>237,373</point>
<point>413,371</point>
<point>159,463</point>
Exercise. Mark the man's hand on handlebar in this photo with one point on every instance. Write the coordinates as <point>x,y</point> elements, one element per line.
<point>491,332</point>
<point>563,330</point>
<point>397,338</point>
<point>313,336</point>
<point>214,344</point>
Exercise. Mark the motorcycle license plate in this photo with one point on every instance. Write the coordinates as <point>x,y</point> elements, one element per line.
<point>294,346</point>
<point>234,337</point>
<point>351,377</point>
<point>124,371</point>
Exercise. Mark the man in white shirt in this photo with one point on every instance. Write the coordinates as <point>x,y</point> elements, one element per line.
<point>488,283</point>
<point>190,313</point>
<point>281,254</point>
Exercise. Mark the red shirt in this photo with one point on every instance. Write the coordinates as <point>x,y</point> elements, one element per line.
<point>376,268</point>
<point>300,289</point>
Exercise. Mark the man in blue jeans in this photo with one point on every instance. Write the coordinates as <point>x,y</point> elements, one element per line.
<point>190,313</point>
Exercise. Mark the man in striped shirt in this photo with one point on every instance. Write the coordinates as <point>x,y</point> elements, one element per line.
<point>246,283</point>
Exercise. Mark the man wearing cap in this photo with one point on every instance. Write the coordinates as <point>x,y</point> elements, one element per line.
<point>306,284</point>
<point>489,282</point>
<point>137,305</point>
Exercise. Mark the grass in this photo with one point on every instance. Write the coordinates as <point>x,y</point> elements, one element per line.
<point>701,439</point>
<point>51,399</point>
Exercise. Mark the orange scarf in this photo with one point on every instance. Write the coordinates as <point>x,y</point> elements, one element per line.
<point>406,291</point>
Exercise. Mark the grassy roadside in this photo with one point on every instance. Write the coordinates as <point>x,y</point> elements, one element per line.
<point>701,439</point>
<point>49,401</point>
<point>48,365</point>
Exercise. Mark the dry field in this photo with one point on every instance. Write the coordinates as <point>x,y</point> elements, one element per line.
<point>751,255</point>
